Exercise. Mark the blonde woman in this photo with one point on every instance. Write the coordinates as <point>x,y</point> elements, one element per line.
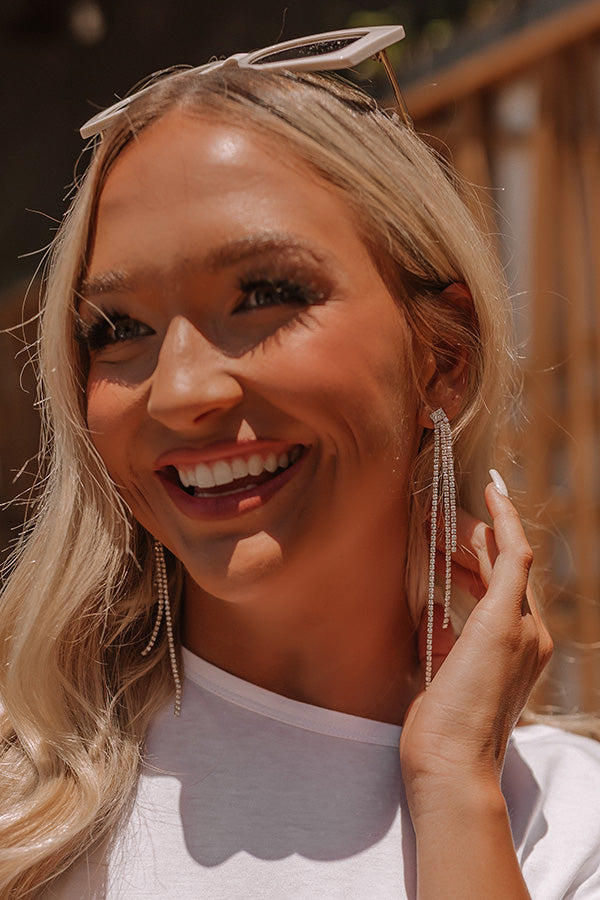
<point>270,330</point>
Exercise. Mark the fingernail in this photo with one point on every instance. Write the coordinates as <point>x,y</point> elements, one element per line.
<point>498,482</point>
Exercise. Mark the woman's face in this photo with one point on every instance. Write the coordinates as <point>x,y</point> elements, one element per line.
<point>249,386</point>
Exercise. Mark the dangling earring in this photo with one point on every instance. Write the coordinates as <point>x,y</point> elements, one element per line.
<point>442,456</point>
<point>164,607</point>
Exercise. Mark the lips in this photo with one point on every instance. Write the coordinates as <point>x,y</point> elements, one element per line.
<point>214,484</point>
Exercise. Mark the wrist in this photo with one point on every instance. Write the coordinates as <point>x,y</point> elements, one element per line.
<point>465,845</point>
<point>464,799</point>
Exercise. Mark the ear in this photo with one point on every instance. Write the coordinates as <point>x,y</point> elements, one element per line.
<point>445,369</point>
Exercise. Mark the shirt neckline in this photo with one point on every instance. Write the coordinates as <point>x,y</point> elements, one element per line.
<point>282,709</point>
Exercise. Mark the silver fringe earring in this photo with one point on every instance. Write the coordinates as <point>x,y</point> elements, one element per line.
<point>164,608</point>
<point>443,494</point>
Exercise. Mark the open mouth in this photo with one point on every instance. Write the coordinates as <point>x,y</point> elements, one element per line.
<point>226,477</point>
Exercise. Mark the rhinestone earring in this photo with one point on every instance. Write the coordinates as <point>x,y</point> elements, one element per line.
<point>443,496</point>
<point>164,608</point>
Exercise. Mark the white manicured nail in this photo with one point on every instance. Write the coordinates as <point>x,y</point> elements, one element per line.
<point>498,482</point>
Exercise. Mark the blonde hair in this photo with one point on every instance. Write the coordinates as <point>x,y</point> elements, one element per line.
<point>76,610</point>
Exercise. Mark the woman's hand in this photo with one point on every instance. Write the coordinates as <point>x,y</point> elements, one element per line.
<point>455,734</point>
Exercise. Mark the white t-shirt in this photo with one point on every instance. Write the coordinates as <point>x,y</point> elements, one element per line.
<point>250,795</point>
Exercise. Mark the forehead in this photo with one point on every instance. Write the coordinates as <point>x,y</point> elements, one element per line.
<point>187,182</point>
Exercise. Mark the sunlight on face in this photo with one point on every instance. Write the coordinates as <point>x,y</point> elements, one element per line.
<point>249,386</point>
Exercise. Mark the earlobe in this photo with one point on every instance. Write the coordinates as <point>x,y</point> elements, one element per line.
<point>445,368</point>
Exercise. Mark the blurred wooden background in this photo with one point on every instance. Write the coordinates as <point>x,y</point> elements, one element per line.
<point>520,119</point>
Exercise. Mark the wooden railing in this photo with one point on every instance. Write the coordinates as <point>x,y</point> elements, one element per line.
<point>521,122</point>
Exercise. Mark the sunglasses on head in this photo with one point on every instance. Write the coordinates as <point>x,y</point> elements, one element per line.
<point>316,53</point>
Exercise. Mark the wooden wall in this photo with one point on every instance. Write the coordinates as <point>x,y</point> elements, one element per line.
<point>521,121</point>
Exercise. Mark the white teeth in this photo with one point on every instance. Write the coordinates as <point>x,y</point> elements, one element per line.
<point>223,471</point>
<point>203,476</point>
<point>271,462</point>
<point>239,467</point>
<point>255,465</point>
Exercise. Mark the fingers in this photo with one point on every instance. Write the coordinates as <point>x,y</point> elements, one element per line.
<point>509,584</point>
<point>492,564</point>
<point>511,576</point>
<point>510,572</point>
<point>476,545</point>
<point>479,546</point>
<point>467,581</point>
<point>483,679</point>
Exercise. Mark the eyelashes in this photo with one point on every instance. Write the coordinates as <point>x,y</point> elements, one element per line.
<point>263,293</point>
<point>109,328</point>
<point>258,295</point>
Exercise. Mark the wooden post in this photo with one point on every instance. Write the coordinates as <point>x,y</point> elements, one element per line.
<point>582,363</point>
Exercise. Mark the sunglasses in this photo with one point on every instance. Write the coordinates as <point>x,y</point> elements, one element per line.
<point>316,53</point>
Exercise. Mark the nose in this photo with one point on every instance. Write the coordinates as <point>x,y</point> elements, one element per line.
<point>192,378</point>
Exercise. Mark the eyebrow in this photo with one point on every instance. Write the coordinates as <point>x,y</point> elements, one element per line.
<point>111,282</point>
<point>119,281</point>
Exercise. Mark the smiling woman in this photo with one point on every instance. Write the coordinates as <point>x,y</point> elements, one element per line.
<point>248,338</point>
<point>270,325</point>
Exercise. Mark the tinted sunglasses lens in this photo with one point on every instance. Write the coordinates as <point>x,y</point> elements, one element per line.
<point>315,48</point>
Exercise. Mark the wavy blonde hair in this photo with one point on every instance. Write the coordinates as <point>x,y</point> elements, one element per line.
<point>77,606</point>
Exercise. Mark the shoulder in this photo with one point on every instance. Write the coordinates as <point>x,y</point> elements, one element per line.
<point>564,767</point>
<point>551,751</point>
<point>551,783</point>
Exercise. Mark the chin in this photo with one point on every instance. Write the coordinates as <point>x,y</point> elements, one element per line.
<point>255,562</point>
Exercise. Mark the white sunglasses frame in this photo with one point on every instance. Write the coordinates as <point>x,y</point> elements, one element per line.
<point>370,42</point>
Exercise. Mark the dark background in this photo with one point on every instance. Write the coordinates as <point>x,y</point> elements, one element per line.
<point>61,60</point>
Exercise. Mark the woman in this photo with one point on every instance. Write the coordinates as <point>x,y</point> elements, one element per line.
<point>257,309</point>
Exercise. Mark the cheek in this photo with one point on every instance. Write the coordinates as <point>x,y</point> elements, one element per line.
<point>110,419</point>
<point>353,378</point>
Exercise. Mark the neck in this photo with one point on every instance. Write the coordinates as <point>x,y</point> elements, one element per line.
<point>341,640</point>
